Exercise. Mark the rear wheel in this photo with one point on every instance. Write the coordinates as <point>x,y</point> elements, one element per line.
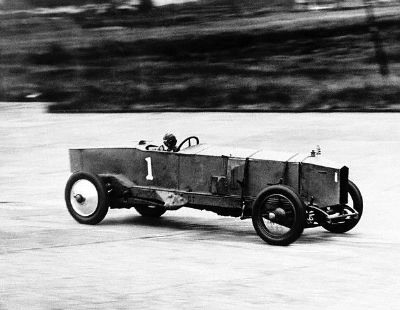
<point>278,215</point>
<point>86,198</point>
<point>355,202</point>
<point>150,211</point>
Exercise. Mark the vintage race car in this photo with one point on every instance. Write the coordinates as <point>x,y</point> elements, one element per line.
<point>283,193</point>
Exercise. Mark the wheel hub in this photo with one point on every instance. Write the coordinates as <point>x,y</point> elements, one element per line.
<point>277,216</point>
<point>79,198</point>
<point>84,197</point>
<point>280,213</point>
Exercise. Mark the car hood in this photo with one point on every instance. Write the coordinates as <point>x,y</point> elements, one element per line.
<point>236,152</point>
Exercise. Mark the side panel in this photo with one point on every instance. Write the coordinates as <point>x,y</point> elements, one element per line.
<point>265,173</point>
<point>293,178</point>
<point>147,168</point>
<point>320,182</point>
<point>164,169</point>
<point>235,173</point>
<point>75,160</point>
<point>261,174</point>
<point>196,171</point>
<point>186,172</point>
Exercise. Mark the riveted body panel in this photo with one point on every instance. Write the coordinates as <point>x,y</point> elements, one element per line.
<point>196,171</point>
<point>314,182</point>
<point>215,171</point>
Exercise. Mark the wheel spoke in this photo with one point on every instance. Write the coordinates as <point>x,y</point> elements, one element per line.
<point>277,214</point>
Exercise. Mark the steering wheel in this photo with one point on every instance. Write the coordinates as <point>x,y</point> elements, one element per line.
<point>151,147</point>
<point>155,147</point>
<point>196,139</point>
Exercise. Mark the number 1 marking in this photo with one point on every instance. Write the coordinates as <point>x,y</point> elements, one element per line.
<point>149,170</point>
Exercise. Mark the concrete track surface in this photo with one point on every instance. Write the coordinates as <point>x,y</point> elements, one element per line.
<point>192,259</point>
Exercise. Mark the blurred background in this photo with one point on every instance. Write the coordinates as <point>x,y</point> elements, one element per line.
<point>161,55</point>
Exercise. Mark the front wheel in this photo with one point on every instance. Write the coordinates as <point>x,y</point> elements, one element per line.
<point>278,215</point>
<point>356,203</point>
<point>86,198</point>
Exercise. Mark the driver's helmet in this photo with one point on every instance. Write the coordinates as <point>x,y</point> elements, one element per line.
<point>170,141</point>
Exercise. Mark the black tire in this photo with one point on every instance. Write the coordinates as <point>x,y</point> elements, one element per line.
<point>348,224</point>
<point>291,213</point>
<point>86,214</point>
<point>150,211</point>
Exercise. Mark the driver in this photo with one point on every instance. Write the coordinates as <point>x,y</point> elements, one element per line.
<point>170,142</point>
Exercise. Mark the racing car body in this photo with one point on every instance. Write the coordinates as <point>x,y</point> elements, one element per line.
<point>283,193</point>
